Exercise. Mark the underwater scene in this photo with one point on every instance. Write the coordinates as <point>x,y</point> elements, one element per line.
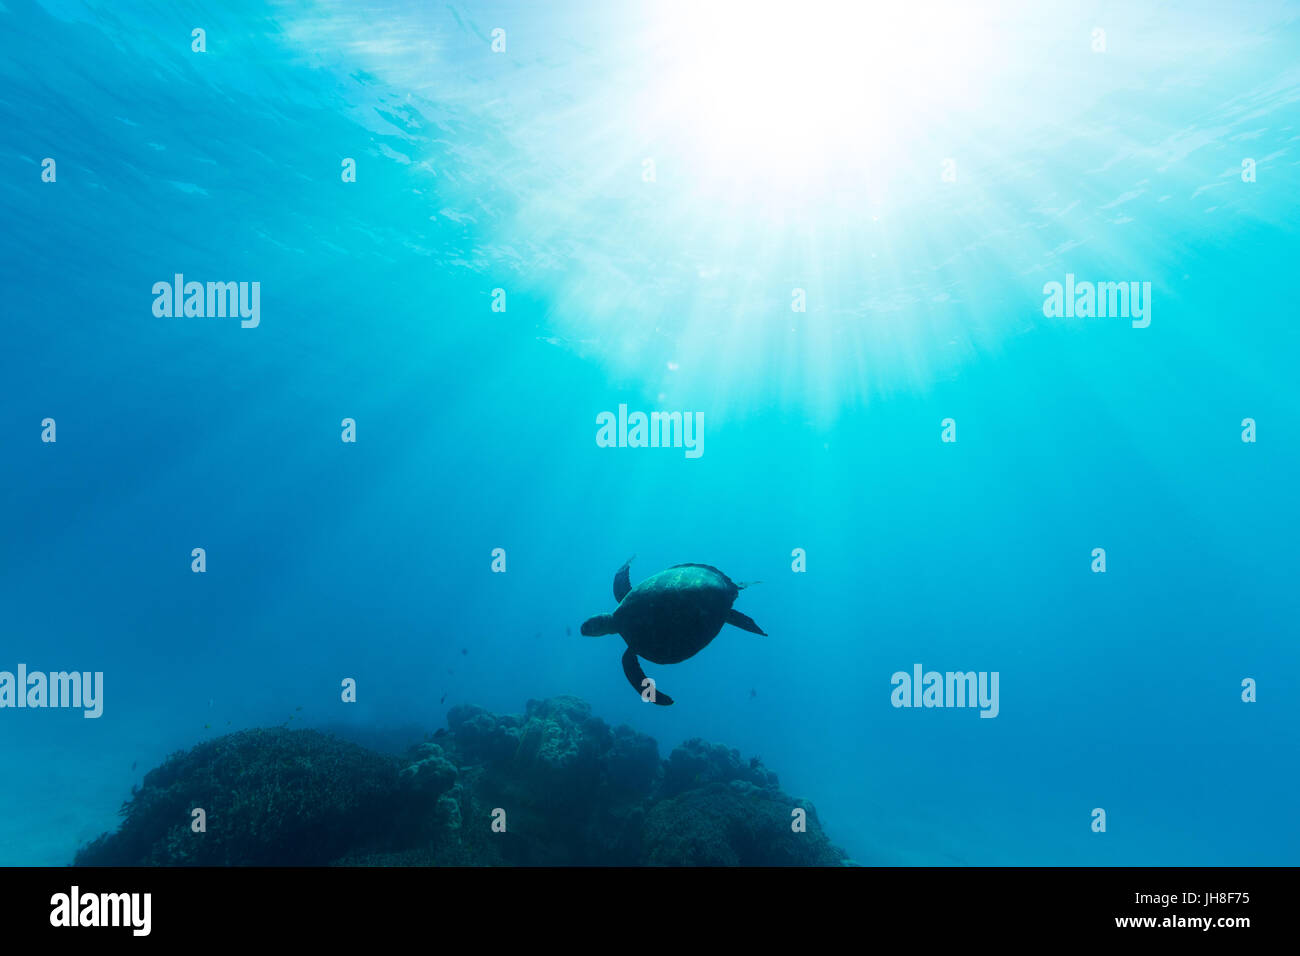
<point>674,433</point>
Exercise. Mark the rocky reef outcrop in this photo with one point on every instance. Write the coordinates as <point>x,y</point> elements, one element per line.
<point>554,786</point>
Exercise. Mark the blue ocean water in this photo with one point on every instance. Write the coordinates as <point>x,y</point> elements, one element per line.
<point>837,275</point>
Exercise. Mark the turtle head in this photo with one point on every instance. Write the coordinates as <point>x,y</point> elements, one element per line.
<point>598,625</point>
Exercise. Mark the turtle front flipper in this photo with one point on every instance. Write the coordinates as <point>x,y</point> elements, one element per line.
<point>623,580</point>
<point>636,677</point>
<point>736,619</point>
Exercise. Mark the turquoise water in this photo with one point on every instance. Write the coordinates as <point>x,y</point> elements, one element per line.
<point>668,286</point>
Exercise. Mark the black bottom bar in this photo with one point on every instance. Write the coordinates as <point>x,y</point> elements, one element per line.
<point>333,906</point>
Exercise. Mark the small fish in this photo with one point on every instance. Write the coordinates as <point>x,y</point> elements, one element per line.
<point>133,763</point>
<point>299,707</point>
<point>568,632</point>
<point>207,726</point>
<point>464,650</point>
<point>443,700</point>
<point>752,692</point>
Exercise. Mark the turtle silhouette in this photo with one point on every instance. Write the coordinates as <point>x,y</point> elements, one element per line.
<point>669,617</point>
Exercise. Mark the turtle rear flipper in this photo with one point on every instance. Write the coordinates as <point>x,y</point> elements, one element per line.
<point>623,580</point>
<point>739,620</point>
<point>636,677</point>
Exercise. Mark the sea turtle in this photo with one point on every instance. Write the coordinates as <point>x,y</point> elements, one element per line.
<point>669,617</point>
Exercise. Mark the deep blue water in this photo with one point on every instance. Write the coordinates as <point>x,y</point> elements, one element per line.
<point>525,170</point>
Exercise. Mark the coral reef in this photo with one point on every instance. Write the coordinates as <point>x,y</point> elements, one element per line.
<point>286,797</point>
<point>561,785</point>
<point>734,824</point>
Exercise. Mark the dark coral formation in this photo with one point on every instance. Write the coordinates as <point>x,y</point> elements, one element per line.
<point>269,797</point>
<point>573,791</point>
